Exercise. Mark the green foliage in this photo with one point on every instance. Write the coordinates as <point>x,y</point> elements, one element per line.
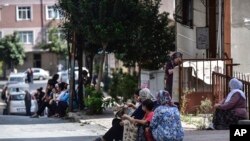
<point>150,43</point>
<point>11,50</point>
<point>123,85</point>
<point>94,101</point>
<point>206,106</point>
<point>56,45</point>
<point>184,102</point>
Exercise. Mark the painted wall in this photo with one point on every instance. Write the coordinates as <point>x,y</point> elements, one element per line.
<point>168,6</point>
<point>240,35</point>
<point>186,37</point>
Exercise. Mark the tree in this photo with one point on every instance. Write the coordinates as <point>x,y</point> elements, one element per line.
<point>149,44</point>
<point>107,21</point>
<point>101,21</point>
<point>56,43</point>
<point>11,51</point>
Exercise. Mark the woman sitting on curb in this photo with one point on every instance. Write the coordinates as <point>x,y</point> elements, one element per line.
<point>166,122</point>
<point>232,109</point>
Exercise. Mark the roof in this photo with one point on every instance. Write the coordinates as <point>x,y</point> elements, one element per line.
<point>17,93</point>
<point>17,75</point>
<point>18,86</point>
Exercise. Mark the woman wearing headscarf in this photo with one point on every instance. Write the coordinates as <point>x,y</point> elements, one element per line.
<point>176,59</point>
<point>232,108</point>
<point>120,126</point>
<point>130,131</point>
<point>166,122</point>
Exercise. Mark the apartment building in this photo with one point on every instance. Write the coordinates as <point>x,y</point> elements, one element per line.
<point>31,19</point>
<point>227,25</point>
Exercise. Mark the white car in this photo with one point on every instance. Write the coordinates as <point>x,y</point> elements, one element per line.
<point>65,75</point>
<point>16,103</point>
<point>15,78</point>
<point>39,74</point>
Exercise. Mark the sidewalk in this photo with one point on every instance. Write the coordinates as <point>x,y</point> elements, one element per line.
<point>191,132</point>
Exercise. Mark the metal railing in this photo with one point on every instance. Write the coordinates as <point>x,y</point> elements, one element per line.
<point>220,86</point>
<point>195,75</point>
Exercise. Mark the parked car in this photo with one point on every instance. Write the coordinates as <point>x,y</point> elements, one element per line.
<point>39,74</point>
<point>15,78</point>
<point>16,103</point>
<point>65,75</point>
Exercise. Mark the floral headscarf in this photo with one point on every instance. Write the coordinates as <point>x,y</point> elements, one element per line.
<point>163,98</point>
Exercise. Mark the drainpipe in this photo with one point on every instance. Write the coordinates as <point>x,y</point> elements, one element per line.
<point>42,20</point>
<point>219,31</point>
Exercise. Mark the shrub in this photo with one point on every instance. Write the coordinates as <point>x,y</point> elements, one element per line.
<point>94,101</point>
<point>122,85</point>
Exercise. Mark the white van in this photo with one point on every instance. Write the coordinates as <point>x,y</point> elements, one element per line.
<point>16,103</point>
<point>16,78</point>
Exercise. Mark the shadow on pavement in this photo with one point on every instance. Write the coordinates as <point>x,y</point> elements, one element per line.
<point>25,120</point>
<point>85,138</point>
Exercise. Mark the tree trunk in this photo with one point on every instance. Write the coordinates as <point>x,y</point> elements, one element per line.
<point>104,46</point>
<point>80,65</point>
<point>91,59</point>
<point>139,76</point>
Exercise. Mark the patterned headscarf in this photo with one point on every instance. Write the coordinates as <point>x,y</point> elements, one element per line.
<point>145,94</point>
<point>163,98</point>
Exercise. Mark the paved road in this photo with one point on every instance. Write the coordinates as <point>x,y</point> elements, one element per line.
<point>21,128</point>
<point>38,84</point>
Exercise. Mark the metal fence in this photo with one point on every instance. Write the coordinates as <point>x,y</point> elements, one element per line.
<point>195,75</point>
<point>220,86</point>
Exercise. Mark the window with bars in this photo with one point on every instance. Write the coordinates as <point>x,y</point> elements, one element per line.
<point>184,12</point>
<point>23,13</point>
<point>26,37</point>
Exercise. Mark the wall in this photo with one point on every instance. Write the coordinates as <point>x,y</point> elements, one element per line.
<point>240,35</point>
<point>186,37</point>
<point>168,6</point>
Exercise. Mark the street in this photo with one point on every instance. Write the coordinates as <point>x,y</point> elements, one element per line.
<point>38,84</point>
<point>22,128</point>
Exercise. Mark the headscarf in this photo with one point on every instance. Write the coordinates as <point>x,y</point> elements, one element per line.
<point>235,86</point>
<point>145,94</point>
<point>163,98</point>
<point>176,55</point>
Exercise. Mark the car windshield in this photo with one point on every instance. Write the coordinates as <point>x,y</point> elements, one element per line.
<point>16,79</point>
<point>17,97</point>
<point>17,89</point>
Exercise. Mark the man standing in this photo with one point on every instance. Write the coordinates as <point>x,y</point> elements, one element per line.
<point>176,59</point>
<point>27,100</point>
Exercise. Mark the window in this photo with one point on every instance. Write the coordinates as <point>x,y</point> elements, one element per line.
<point>52,13</point>
<point>23,13</point>
<point>184,12</point>
<point>26,37</point>
<point>37,61</point>
<point>54,34</point>
<point>1,35</point>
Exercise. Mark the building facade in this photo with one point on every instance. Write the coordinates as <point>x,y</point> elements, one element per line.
<point>228,25</point>
<point>31,19</point>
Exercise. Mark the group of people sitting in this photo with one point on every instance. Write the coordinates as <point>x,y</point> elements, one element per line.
<point>154,118</point>
<point>158,118</point>
<point>55,98</point>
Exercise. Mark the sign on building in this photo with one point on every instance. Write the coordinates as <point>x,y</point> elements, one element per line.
<point>202,37</point>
